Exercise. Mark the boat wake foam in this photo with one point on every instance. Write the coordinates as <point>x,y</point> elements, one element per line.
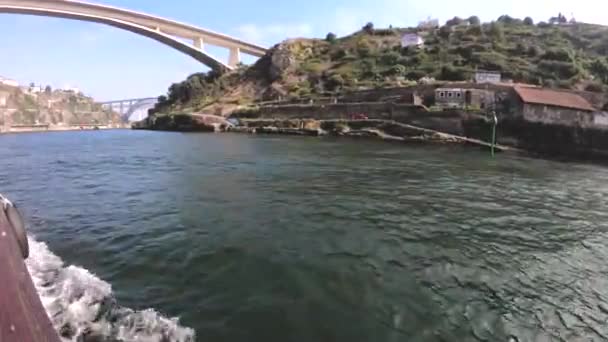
<point>82,307</point>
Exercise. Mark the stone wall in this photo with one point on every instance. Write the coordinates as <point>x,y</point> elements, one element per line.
<point>556,115</point>
<point>445,121</point>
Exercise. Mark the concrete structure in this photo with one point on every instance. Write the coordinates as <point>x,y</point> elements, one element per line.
<point>484,76</point>
<point>166,31</point>
<point>554,107</point>
<point>8,82</point>
<point>465,98</point>
<point>131,110</point>
<point>411,39</point>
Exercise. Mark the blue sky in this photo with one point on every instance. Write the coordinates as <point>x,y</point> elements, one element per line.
<point>110,64</point>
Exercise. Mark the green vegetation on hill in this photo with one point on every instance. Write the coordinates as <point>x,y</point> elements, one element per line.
<point>556,54</point>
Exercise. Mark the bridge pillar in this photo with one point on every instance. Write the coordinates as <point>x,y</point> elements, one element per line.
<point>235,57</point>
<point>199,43</point>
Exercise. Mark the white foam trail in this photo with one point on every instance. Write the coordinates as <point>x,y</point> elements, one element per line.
<point>82,308</point>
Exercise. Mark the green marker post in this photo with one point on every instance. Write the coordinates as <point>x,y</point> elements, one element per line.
<point>495,123</point>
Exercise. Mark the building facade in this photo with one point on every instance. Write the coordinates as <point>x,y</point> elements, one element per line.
<point>411,39</point>
<point>483,76</point>
<point>465,98</point>
<point>555,107</point>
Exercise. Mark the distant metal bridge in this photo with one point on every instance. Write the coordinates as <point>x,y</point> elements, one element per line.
<point>131,109</point>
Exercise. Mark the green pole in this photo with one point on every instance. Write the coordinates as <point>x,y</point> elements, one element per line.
<point>495,123</point>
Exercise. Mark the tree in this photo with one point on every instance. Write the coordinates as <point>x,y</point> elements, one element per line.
<point>599,67</point>
<point>398,70</point>
<point>496,31</point>
<point>331,37</point>
<point>474,20</point>
<point>528,21</point>
<point>445,32</point>
<point>369,28</point>
<point>32,84</point>
<point>454,21</point>
<point>48,90</point>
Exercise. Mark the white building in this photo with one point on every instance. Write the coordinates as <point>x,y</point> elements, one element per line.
<point>428,24</point>
<point>484,76</point>
<point>8,82</point>
<point>411,39</point>
<point>74,90</point>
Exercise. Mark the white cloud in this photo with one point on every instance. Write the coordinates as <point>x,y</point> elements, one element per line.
<point>273,33</point>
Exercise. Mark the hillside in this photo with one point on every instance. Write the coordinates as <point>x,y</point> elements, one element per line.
<point>22,107</point>
<point>557,55</point>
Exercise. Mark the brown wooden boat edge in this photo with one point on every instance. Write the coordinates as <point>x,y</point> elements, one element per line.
<point>22,316</point>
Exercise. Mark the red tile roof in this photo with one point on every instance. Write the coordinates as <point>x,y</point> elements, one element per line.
<point>553,98</point>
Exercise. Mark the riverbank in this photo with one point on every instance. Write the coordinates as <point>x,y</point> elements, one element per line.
<point>43,129</point>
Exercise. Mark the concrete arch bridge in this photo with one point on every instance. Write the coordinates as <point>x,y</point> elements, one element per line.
<point>165,31</point>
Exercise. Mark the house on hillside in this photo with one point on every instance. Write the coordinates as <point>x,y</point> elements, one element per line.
<point>463,98</point>
<point>554,107</point>
<point>412,39</point>
<point>485,76</point>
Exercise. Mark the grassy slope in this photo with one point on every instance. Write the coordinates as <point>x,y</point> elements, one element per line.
<point>566,56</point>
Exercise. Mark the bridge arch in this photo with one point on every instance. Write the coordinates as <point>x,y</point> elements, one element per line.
<point>162,30</point>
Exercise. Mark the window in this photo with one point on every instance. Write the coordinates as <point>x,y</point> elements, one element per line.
<point>450,94</point>
<point>458,95</point>
<point>441,94</point>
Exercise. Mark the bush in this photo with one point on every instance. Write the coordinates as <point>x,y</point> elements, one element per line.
<point>415,74</point>
<point>563,55</point>
<point>474,31</point>
<point>533,51</point>
<point>474,20</point>
<point>368,28</point>
<point>490,61</point>
<point>496,31</point>
<point>397,70</point>
<point>595,87</point>
<point>528,21</point>
<point>445,32</point>
<point>558,69</point>
<point>364,48</point>
<point>390,58</point>
<point>334,82</point>
<point>454,21</point>
<point>449,73</point>
<point>331,37</point>
<point>338,55</point>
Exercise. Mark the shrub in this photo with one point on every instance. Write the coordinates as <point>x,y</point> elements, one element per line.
<point>528,21</point>
<point>397,70</point>
<point>559,54</point>
<point>474,30</point>
<point>445,32</point>
<point>595,87</point>
<point>338,54</point>
<point>474,20</point>
<point>558,69</point>
<point>533,51</point>
<point>368,28</point>
<point>390,58</point>
<point>331,37</point>
<point>449,73</point>
<point>496,31</point>
<point>364,48</point>
<point>454,21</point>
<point>415,74</point>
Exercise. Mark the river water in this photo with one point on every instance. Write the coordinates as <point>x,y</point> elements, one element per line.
<point>145,236</point>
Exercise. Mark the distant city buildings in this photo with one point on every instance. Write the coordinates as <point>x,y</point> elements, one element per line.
<point>411,39</point>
